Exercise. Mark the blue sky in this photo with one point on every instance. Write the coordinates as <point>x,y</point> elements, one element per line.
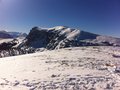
<point>97,16</point>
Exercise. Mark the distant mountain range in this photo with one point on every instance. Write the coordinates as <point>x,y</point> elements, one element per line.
<point>17,34</point>
<point>5,34</point>
<point>60,37</point>
<point>63,36</point>
<point>40,39</point>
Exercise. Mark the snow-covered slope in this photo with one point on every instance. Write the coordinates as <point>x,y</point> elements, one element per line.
<point>80,68</point>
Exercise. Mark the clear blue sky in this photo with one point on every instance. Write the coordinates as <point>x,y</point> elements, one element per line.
<point>97,16</point>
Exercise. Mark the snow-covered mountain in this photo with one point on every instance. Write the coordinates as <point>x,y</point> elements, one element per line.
<point>4,34</point>
<point>63,36</point>
<point>17,34</point>
<point>40,39</point>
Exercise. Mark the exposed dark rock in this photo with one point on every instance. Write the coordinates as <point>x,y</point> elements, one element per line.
<point>10,49</point>
<point>8,45</point>
<point>37,38</point>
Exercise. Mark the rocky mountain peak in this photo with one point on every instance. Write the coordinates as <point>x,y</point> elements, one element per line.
<point>56,37</point>
<point>63,36</point>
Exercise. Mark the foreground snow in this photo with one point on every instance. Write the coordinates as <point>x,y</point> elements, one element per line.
<point>80,68</point>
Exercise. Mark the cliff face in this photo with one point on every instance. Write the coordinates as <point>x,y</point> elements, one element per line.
<point>37,38</point>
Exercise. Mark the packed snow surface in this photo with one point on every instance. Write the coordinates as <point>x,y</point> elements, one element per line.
<point>79,68</point>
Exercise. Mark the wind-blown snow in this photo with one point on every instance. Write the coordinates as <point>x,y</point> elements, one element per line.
<point>80,68</point>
